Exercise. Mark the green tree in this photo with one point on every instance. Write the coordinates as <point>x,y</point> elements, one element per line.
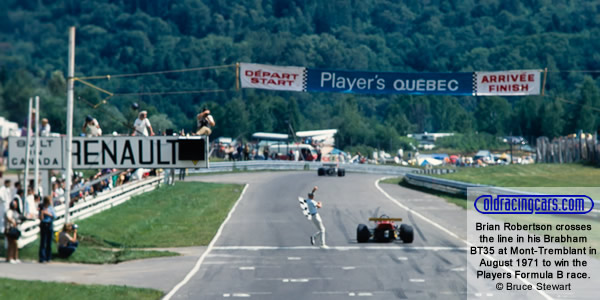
<point>236,119</point>
<point>551,117</point>
<point>160,123</point>
<point>588,118</point>
<point>493,115</point>
<point>527,119</point>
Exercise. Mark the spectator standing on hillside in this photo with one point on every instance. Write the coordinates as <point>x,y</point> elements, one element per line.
<point>91,127</point>
<point>58,193</point>
<point>18,195</point>
<point>141,126</point>
<point>246,152</point>
<point>15,191</point>
<point>47,216</point>
<point>45,130</point>
<point>5,194</point>
<point>266,152</point>
<point>205,121</point>
<point>240,152</point>
<point>12,218</point>
<point>30,207</point>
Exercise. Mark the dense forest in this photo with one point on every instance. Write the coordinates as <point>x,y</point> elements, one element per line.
<point>128,37</point>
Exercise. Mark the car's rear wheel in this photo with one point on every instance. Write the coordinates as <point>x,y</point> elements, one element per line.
<point>406,233</point>
<point>321,171</point>
<point>341,172</point>
<point>362,233</point>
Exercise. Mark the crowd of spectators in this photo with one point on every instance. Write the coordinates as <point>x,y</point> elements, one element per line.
<point>17,206</point>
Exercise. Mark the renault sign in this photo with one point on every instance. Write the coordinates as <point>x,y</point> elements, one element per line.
<point>120,152</point>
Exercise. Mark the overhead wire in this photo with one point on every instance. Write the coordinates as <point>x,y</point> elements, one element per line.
<point>575,103</point>
<point>108,76</point>
<point>83,79</point>
<point>573,71</point>
<point>170,93</point>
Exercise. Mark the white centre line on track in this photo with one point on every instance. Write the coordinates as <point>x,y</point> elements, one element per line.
<point>442,228</point>
<point>242,295</point>
<point>295,280</point>
<point>207,251</point>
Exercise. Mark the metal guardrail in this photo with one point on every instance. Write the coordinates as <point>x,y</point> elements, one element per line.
<point>440,184</point>
<point>460,187</point>
<point>84,209</point>
<point>253,165</point>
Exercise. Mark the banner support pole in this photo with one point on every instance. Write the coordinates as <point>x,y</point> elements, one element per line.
<point>237,76</point>
<point>544,83</point>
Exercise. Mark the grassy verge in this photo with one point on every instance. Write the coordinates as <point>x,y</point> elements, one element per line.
<point>542,175</point>
<point>25,289</point>
<point>561,175</point>
<point>393,180</point>
<point>460,201</point>
<point>186,214</point>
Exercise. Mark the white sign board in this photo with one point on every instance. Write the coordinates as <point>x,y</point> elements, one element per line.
<point>272,77</point>
<point>50,155</point>
<point>508,83</point>
<point>120,152</point>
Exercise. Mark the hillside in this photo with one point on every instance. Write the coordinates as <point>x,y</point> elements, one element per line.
<point>123,37</point>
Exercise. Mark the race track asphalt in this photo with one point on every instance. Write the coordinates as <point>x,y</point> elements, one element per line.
<point>264,250</point>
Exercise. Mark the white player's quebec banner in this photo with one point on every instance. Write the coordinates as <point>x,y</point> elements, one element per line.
<point>508,83</point>
<point>273,77</point>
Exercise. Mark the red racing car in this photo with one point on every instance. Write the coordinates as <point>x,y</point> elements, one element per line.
<point>385,231</point>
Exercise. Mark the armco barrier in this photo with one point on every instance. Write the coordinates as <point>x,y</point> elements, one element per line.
<point>440,184</point>
<point>460,187</point>
<point>84,209</point>
<point>252,165</point>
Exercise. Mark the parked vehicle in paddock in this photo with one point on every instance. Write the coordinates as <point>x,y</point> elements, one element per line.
<point>292,152</point>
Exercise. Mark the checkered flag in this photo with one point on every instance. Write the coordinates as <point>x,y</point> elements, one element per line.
<point>304,208</point>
